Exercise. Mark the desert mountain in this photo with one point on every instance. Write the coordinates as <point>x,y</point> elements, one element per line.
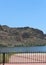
<point>21,36</point>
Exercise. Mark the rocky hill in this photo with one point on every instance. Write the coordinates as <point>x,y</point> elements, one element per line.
<point>23,36</point>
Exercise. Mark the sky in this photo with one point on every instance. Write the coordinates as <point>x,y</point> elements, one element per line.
<point>22,13</point>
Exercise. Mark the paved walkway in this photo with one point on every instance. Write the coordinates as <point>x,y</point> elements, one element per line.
<point>27,64</point>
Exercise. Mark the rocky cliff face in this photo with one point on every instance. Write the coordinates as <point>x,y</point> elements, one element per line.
<point>24,36</point>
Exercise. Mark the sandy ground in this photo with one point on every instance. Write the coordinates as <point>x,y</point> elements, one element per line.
<point>28,57</point>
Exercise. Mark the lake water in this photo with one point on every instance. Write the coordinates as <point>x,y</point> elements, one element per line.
<point>23,49</point>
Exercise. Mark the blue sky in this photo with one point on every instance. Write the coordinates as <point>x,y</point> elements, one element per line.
<point>20,13</point>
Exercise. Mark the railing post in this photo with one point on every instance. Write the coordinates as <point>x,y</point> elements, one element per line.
<point>3,58</point>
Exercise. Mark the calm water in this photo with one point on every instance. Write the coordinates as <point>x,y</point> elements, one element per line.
<point>23,49</point>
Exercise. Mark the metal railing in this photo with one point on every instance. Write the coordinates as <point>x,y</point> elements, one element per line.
<point>14,56</point>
